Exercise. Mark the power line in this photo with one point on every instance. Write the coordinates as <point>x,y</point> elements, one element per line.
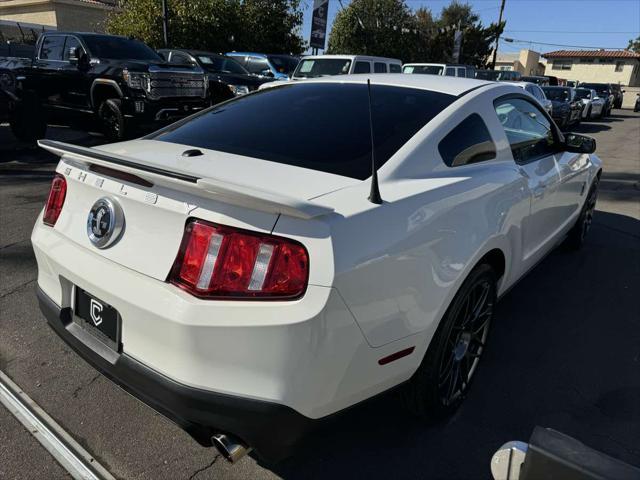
<point>514,40</point>
<point>570,31</point>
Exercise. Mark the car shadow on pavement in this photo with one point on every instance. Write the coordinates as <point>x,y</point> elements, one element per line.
<point>591,127</point>
<point>564,352</point>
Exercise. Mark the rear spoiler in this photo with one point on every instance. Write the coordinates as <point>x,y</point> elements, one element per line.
<point>208,187</point>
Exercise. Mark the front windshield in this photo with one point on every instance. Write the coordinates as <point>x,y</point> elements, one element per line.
<point>284,63</point>
<point>119,48</point>
<point>583,93</point>
<point>322,67</point>
<point>219,64</point>
<point>558,94</point>
<point>426,69</point>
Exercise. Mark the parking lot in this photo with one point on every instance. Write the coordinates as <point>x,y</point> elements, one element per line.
<point>564,353</point>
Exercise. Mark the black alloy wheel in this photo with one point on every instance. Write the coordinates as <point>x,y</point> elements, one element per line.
<point>578,234</point>
<point>466,342</point>
<point>442,381</point>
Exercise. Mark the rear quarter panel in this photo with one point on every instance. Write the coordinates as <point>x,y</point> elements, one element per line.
<point>398,265</point>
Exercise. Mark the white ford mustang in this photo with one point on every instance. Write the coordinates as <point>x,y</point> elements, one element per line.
<point>244,273</point>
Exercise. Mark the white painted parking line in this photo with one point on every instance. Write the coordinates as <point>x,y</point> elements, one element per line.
<point>75,459</point>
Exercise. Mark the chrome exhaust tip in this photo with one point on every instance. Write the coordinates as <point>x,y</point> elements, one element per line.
<point>229,447</point>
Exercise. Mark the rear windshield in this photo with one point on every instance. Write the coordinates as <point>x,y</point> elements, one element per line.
<point>557,94</point>
<point>321,126</point>
<point>311,68</point>
<point>583,93</point>
<point>428,69</point>
<point>598,87</point>
<point>218,63</point>
<point>119,48</point>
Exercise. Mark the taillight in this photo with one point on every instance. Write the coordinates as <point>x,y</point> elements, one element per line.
<point>222,262</point>
<point>55,201</point>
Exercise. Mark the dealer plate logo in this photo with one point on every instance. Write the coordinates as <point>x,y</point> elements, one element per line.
<point>95,310</point>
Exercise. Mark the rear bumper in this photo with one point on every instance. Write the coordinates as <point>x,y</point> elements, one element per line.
<point>271,429</point>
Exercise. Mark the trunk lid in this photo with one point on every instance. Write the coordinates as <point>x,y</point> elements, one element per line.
<point>241,195</point>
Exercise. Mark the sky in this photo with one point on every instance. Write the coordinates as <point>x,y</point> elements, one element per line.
<point>580,23</point>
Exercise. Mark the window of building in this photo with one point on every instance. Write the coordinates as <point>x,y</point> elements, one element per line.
<point>587,60</point>
<point>619,66</point>
<point>562,65</point>
<point>467,143</point>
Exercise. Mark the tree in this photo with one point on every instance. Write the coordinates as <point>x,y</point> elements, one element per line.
<point>634,45</point>
<point>389,28</point>
<point>374,27</point>
<point>477,41</point>
<point>216,25</point>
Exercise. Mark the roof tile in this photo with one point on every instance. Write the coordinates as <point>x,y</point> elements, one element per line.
<point>591,53</point>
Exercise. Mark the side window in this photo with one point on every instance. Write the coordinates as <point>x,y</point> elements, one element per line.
<point>379,67</point>
<point>52,47</point>
<point>257,65</point>
<point>467,143</point>
<point>395,68</point>
<point>72,42</point>
<point>450,72</point>
<point>529,132</point>
<point>462,72</point>
<point>362,67</point>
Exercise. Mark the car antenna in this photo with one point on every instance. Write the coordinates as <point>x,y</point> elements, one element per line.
<point>374,195</point>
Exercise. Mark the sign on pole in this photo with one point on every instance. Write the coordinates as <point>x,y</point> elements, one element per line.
<point>319,23</point>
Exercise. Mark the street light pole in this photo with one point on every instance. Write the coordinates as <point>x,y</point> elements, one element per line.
<point>165,23</point>
<point>495,50</point>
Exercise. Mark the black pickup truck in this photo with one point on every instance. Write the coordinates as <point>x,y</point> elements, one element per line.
<point>88,80</point>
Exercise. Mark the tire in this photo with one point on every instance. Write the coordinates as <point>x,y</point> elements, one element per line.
<point>441,382</point>
<point>578,233</point>
<point>112,119</point>
<point>27,121</point>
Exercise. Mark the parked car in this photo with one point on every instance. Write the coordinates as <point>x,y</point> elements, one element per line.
<point>538,80</point>
<point>618,95</point>
<point>593,105</point>
<point>498,75</point>
<point>313,66</point>
<point>227,78</point>
<point>566,107</point>
<point>573,83</point>
<point>536,92</point>
<point>604,91</point>
<point>307,275</point>
<point>7,93</point>
<point>278,67</point>
<point>89,80</point>
<point>447,69</point>
<point>636,107</point>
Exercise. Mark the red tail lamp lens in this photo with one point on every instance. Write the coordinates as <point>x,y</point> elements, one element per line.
<point>55,201</point>
<point>222,262</point>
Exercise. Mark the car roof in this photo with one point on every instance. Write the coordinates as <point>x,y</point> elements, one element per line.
<point>191,52</point>
<point>351,57</point>
<point>520,84</point>
<point>436,83</point>
<point>419,64</point>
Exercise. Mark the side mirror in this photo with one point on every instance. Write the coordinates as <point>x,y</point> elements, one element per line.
<point>266,73</point>
<point>574,142</point>
<point>623,91</point>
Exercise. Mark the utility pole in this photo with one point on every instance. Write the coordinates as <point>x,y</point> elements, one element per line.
<point>165,23</point>
<point>495,50</point>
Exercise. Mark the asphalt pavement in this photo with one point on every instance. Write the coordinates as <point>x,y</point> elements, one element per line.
<point>564,352</point>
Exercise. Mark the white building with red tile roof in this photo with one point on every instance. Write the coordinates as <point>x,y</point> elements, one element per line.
<point>604,66</point>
